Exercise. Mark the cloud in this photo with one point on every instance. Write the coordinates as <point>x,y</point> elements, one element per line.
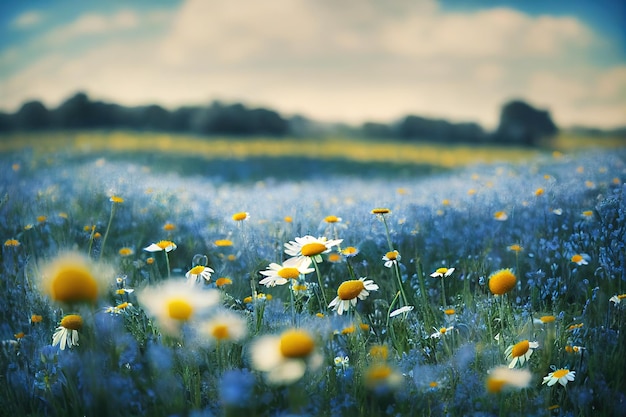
<point>346,61</point>
<point>27,20</point>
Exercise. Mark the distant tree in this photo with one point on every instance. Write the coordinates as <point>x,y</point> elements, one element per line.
<point>76,112</point>
<point>6,122</point>
<point>522,124</point>
<point>376,130</point>
<point>154,117</point>
<point>33,115</point>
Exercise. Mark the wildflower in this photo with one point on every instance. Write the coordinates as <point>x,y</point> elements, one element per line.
<point>332,219</point>
<point>500,216</point>
<point>288,219</point>
<point>617,299</point>
<point>241,216</point>
<point>349,291</point>
<point>116,199</point>
<point>292,268</point>
<point>391,258</point>
<point>401,310</point>
<point>380,211</point>
<point>220,282</point>
<point>73,278</point>
<point>12,242</point>
<point>198,272</point>
<point>539,192</point>
<point>348,330</point>
<point>579,259</point>
<point>442,272</point>
<point>520,352</point>
<point>574,349</point>
<point>381,375</point>
<point>126,252</point>
<point>168,227</point>
<point>286,357</point>
<point>223,242</point>
<point>67,333</point>
<point>379,352</point>
<point>173,304</point>
<point>515,248</point>
<point>587,214</point>
<point>162,245</point>
<point>441,332</point>
<point>575,326</point>
<point>350,251</point>
<point>42,219</point>
<point>502,281</point>
<point>562,376</point>
<point>225,326</point>
<point>544,320</point>
<point>334,257</point>
<point>502,377</point>
<point>342,362</point>
<point>36,318</point>
<point>310,247</point>
<point>118,309</point>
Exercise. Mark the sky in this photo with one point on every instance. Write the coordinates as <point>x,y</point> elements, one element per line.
<point>346,61</point>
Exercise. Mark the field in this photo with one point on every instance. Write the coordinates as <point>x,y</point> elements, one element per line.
<point>159,275</point>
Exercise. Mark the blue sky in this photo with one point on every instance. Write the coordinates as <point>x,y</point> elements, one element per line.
<point>351,61</point>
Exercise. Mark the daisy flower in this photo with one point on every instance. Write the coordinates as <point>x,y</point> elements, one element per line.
<point>617,299</point>
<point>502,377</point>
<point>520,352</point>
<point>197,273</point>
<point>292,268</point>
<point>67,333</point>
<point>224,326</point>
<point>442,272</point>
<point>562,376</point>
<point>502,281</point>
<point>580,259</point>
<point>441,332</point>
<point>173,304</point>
<point>311,247</point>
<point>391,258</point>
<point>349,291</point>
<point>382,376</point>
<point>500,216</point>
<point>241,216</point>
<point>162,245</point>
<point>285,358</point>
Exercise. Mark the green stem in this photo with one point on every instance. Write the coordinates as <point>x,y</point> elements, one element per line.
<point>106,233</point>
<point>319,281</point>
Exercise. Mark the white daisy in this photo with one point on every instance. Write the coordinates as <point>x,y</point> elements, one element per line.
<point>291,269</point>
<point>391,258</point>
<point>67,333</point>
<point>224,326</point>
<point>311,247</point>
<point>562,376</point>
<point>163,245</point>
<point>441,332</point>
<point>349,291</point>
<point>401,310</point>
<point>442,272</point>
<point>520,352</point>
<point>197,273</point>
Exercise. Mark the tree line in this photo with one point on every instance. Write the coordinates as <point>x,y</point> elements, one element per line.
<point>520,123</point>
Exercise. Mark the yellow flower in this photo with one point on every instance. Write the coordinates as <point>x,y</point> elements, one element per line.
<point>310,246</point>
<point>332,219</point>
<point>220,282</point>
<point>515,248</point>
<point>500,216</point>
<point>223,242</point>
<point>349,291</point>
<point>162,245</point>
<point>126,251</point>
<point>381,211</point>
<point>241,216</point>
<point>116,199</point>
<point>168,227</point>
<point>12,242</point>
<point>502,281</point>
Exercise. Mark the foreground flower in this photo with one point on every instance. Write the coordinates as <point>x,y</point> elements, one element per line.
<point>173,304</point>
<point>502,378</point>
<point>391,258</point>
<point>73,278</point>
<point>286,357</point>
<point>197,273</point>
<point>442,272</point>
<point>310,247</point>
<point>163,245</point>
<point>67,333</point>
<point>562,376</point>
<point>291,269</point>
<point>349,291</point>
<point>502,281</point>
<point>520,352</point>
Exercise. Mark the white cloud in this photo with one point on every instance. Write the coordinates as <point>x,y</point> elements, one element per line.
<point>27,20</point>
<point>351,61</point>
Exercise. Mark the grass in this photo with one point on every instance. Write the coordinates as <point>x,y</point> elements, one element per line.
<point>153,342</point>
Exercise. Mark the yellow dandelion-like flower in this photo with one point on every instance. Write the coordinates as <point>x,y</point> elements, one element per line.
<point>116,199</point>
<point>381,211</point>
<point>222,281</point>
<point>545,319</point>
<point>288,219</point>
<point>350,291</point>
<point>36,318</point>
<point>587,214</point>
<point>515,248</point>
<point>11,243</point>
<point>502,281</point>
<point>241,216</point>
<point>379,352</point>
<point>332,219</point>
<point>126,251</point>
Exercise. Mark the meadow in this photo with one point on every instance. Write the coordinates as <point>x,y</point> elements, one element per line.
<point>154,275</point>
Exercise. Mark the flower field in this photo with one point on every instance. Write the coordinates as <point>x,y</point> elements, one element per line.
<point>490,289</point>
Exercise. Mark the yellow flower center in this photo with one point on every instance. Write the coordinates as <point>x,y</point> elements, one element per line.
<point>560,373</point>
<point>312,249</point>
<point>164,244</point>
<point>379,352</point>
<point>443,330</point>
<point>240,216</point>
<point>331,219</point>
<point>449,311</point>
<point>433,384</point>
<point>350,250</point>
<point>223,242</point>
<point>223,281</point>
<point>381,211</point>
<point>348,330</point>
<point>588,213</point>
<point>36,318</point>
<point>378,373</point>
<point>117,199</point>
<point>220,332</point>
<point>196,270</point>
<point>547,319</point>
<point>350,289</point>
<point>539,192</point>
<point>515,248</point>
<point>125,251</point>
<point>296,344</point>
<point>577,258</point>
<point>495,385</point>
<point>392,256</point>
<point>289,273</point>
<point>168,227</point>
<point>72,322</point>
<point>179,309</point>
<point>520,349</point>
<point>74,283</point>
<point>441,271</point>
<point>334,257</point>
<point>288,219</point>
<point>11,242</point>
<point>502,282</point>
